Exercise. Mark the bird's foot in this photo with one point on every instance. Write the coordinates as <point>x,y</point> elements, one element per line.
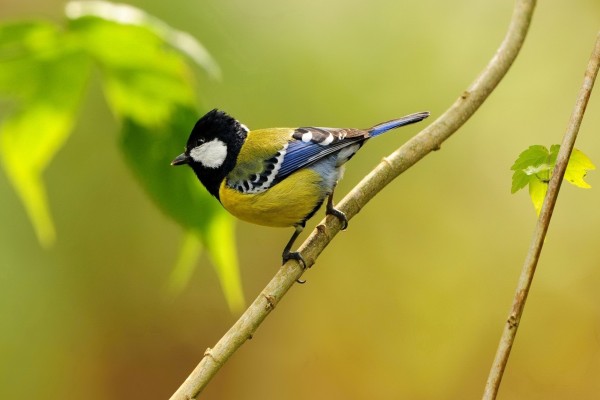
<point>339,215</point>
<point>294,255</point>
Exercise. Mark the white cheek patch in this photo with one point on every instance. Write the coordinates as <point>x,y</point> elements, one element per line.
<point>211,154</point>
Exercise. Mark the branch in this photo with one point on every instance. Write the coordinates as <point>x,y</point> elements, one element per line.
<point>537,241</point>
<point>412,151</point>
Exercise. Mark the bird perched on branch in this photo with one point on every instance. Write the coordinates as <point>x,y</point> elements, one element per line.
<point>277,176</point>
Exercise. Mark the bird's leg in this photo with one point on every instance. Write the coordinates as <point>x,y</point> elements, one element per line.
<point>289,255</point>
<point>331,210</point>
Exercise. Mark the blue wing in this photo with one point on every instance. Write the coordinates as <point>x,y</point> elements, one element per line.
<point>310,145</point>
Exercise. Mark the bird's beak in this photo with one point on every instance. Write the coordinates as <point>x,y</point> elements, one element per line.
<point>181,159</point>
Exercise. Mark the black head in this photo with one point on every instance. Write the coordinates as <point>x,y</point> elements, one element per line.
<point>212,148</point>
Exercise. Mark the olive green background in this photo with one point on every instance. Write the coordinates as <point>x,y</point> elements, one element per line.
<point>408,303</point>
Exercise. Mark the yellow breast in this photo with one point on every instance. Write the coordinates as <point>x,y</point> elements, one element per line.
<point>284,204</point>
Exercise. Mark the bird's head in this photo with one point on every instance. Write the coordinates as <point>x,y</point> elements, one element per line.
<point>212,148</point>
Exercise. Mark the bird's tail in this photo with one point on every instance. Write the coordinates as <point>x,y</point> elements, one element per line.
<point>397,123</point>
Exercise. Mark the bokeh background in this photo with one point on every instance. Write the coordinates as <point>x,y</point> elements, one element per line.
<point>408,303</point>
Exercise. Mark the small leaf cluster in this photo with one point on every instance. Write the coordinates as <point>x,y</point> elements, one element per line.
<point>534,168</point>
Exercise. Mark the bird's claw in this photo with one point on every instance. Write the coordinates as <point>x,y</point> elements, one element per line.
<point>294,255</point>
<point>339,215</point>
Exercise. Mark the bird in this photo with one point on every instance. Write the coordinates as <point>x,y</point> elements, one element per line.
<point>276,177</point>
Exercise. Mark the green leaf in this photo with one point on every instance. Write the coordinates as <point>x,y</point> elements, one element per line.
<point>537,192</point>
<point>529,163</point>
<point>143,79</point>
<point>579,165</point>
<point>533,156</point>
<point>45,76</point>
<point>126,15</point>
<point>519,180</point>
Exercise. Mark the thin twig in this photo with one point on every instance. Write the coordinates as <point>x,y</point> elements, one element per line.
<point>537,241</point>
<point>412,151</point>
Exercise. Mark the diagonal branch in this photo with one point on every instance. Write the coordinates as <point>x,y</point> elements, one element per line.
<point>537,241</point>
<point>412,151</point>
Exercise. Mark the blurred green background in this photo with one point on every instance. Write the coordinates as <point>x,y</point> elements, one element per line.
<point>425,275</point>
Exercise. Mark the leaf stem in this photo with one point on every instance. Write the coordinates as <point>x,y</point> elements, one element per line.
<point>537,241</point>
<point>411,152</point>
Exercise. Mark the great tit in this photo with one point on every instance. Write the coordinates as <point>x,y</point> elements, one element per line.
<point>277,176</point>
